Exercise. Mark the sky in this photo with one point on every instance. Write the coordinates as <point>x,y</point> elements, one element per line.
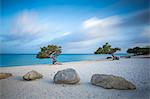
<point>79,26</point>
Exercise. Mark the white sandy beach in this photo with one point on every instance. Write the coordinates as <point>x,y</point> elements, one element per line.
<point>135,70</point>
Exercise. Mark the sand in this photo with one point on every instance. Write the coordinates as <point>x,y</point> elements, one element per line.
<point>135,70</point>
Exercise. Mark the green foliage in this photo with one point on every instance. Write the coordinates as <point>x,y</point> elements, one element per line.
<point>139,51</point>
<point>42,55</point>
<point>106,49</point>
<point>43,49</point>
<point>49,50</point>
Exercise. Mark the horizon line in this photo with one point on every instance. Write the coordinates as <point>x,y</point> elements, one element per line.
<point>61,53</point>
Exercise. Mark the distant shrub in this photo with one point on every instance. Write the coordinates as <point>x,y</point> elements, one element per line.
<point>107,49</point>
<point>139,51</point>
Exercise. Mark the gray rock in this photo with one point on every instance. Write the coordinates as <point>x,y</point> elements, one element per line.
<point>5,75</point>
<point>32,75</point>
<point>111,82</point>
<point>66,76</point>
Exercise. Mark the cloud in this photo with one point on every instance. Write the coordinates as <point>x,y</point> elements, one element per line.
<point>93,32</point>
<point>94,22</point>
<point>118,30</point>
<point>117,27</point>
<point>100,28</point>
<point>91,29</point>
<point>80,46</point>
<point>146,32</point>
<point>29,31</point>
<point>27,26</point>
<point>140,18</point>
<point>24,27</point>
<point>25,23</point>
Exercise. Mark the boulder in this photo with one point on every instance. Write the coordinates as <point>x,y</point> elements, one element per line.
<point>32,75</point>
<point>5,75</point>
<point>66,76</point>
<point>111,82</point>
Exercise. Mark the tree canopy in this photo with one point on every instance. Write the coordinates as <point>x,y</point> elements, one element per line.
<point>139,50</point>
<point>46,52</point>
<point>106,49</point>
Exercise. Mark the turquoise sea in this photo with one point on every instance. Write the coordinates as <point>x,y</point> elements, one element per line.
<point>8,60</point>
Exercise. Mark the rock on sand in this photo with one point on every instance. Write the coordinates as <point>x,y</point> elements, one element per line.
<point>5,75</point>
<point>32,75</point>
<point>111,82</point>
<point>66,76</point>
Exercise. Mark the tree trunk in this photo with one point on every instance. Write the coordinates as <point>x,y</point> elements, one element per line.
<point>54,60</point>
<point>113,57</point>
<point>53,57</point>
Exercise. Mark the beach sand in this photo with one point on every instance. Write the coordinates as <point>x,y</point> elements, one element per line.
<point>135,70</point>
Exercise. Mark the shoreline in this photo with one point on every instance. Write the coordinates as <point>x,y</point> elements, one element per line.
<point>142,56</point>
<point>54,65</point>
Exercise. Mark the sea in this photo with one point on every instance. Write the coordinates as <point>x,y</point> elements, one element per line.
<point>10,60</point>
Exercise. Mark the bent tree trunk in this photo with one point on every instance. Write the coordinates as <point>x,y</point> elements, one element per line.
<point>112,55</point>
<point>53,57</point>
<point>54,60</point>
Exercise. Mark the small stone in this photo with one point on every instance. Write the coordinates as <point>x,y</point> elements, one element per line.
<point>32,75</point>
<point>5,75</point>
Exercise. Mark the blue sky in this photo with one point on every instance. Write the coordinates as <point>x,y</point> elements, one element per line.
<point>79,26</point>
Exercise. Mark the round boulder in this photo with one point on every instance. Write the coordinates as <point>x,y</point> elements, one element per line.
<point>66,76</point>
<point>32,75</point>
<point>5,75</point>
<point>111,82</point>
